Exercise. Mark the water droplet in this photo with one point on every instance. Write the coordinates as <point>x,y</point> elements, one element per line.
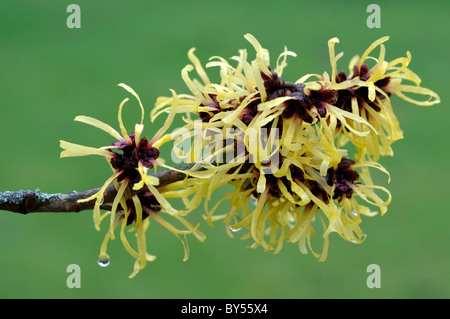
<point>254,201</point>
<point>233,229</point>
<point>103,262</point>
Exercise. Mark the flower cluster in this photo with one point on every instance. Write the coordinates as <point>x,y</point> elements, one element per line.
<point>137,198</point>
<point>284,142</point>
<point>281,145</point>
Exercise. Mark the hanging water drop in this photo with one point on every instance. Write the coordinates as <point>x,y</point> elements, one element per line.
<point>229,227</point>
<point>103,262</point>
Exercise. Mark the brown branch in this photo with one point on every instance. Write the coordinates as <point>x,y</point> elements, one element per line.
<point>25,202</point>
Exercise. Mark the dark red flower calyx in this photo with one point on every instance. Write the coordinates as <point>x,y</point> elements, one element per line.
<point>132,154</point>
<point>343,177</point>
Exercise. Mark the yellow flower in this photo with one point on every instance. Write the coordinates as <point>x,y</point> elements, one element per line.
<point>281,144</point>
<point>366,93</point>
<point>137,197</point>
<point>289,205</point>
<point>275,142</point>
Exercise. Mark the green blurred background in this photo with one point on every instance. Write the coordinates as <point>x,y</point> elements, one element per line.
<point>50,74</point>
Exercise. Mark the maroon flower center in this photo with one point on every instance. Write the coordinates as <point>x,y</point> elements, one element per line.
<point>149,205</point>
<point>132,154</point>
<point>342,177</point>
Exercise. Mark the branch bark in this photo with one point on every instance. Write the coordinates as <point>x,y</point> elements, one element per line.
<point>25,202</point>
